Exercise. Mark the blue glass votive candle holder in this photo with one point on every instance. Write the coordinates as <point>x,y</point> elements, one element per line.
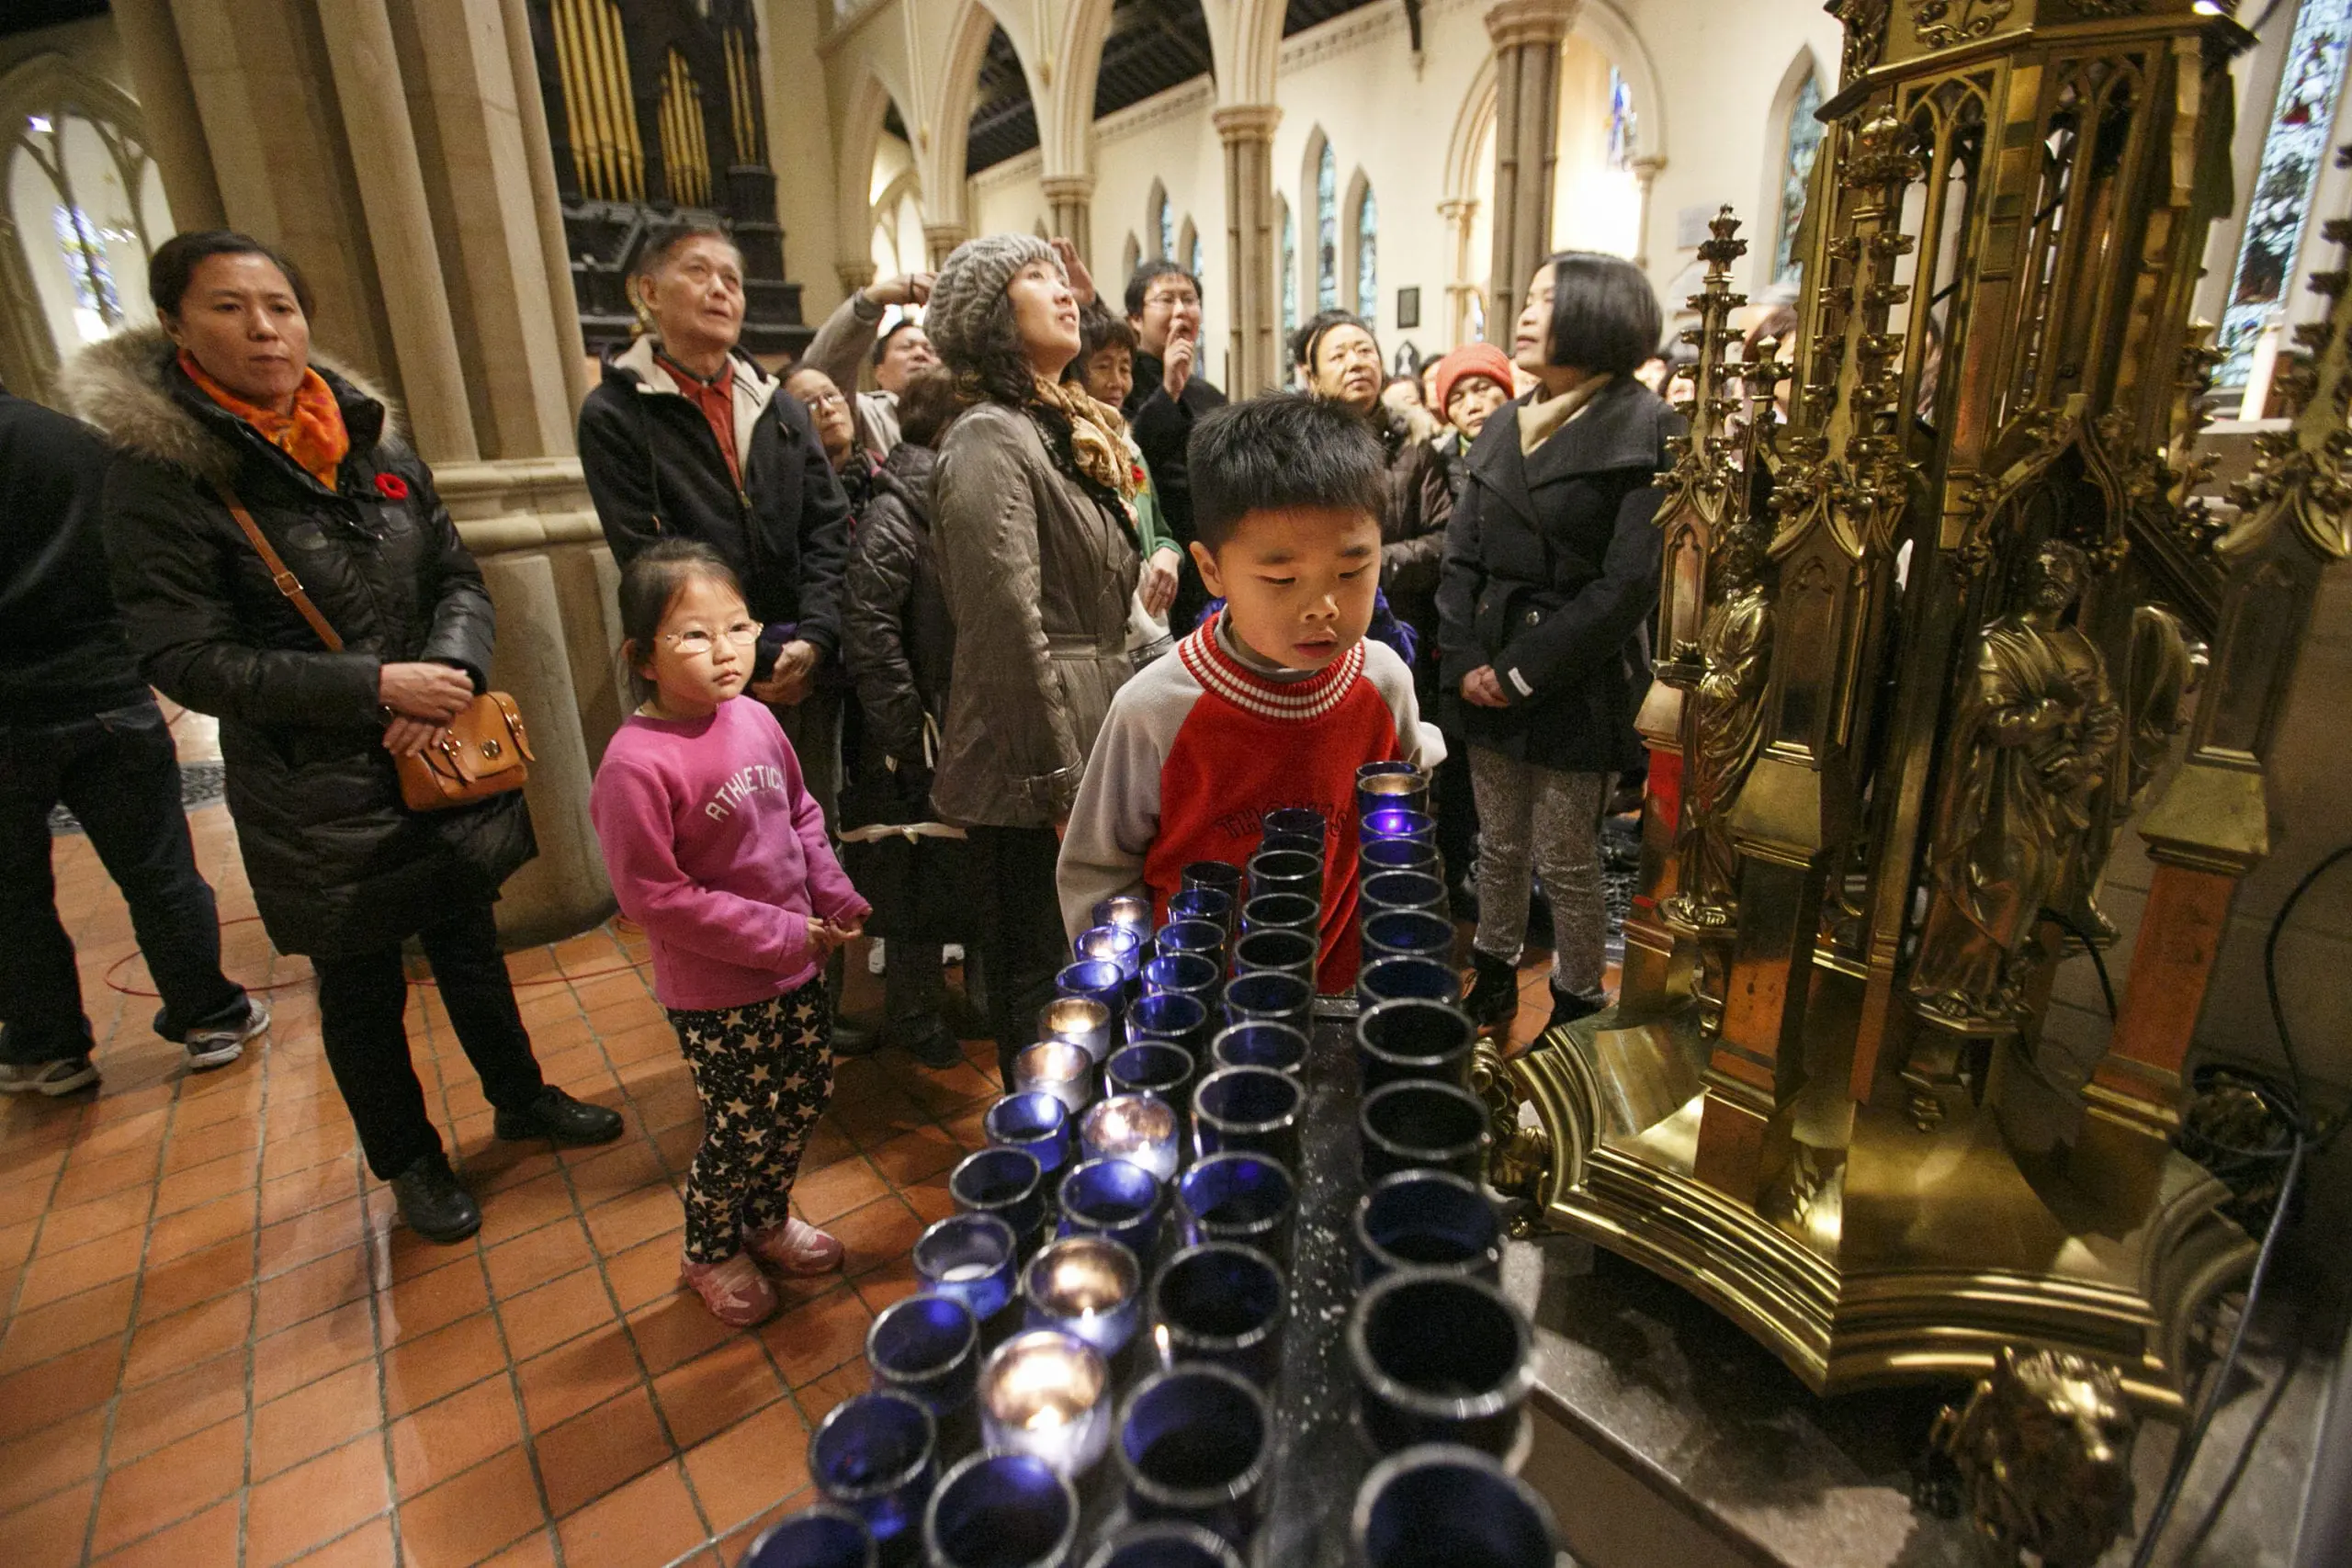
<point>1184,975</point>
<point>1059,1068</point>
<point>1407,933</point>
<point>1002,1511</point>
<point>1386,892</point>
<point>1089,1286</point>
<point>1046,1394</point>
<point>1214,905</point>
<point>1304,820</point>
<point>1302,844</point>
<point>1005,1182</point>
<point>1142,1128</point>
<point>1122,946</point>
<point>1179,1020</point>
<point>972,1258</point>
<point>926,1347</point>
<point>1401,980</point>
<point>1427,1219</point>
<point>1282,911</point>
<point>1223,1304</point>
<point>1098,980</point>
<point>1113,1198</point>
<point>1274,1046</point>
<point>1164,1543</point>
<point>1252,1108</point>
<point>1197,1445</point>
<point>1076,1021</point>
<point>876,1455</point>
<point>1268,996</point>
<point>1157,1068</point>
<point>1377,855</point>
<point>1400,822</point>
<point>1205,937</point>
<point>1286,871</point>
<point>1132,910</point>
<point>1421,1124</point>
<point>1414,1039</point>
<point>1037,1124</point>
<point>824,1536</point>
<point>1391,785</point>
<point>1222,875</point>
<point>1462,1503</point>
<point>1276,951</point>
<point>1440,1358</point>
<point>1246,1198</point>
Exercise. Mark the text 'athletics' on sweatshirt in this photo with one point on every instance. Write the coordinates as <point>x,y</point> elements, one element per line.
<point>1206,741</point>
<point>718,849</point>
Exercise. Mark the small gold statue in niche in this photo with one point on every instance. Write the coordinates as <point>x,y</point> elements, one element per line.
<point>2032,735</point>
<point>1735,645</point>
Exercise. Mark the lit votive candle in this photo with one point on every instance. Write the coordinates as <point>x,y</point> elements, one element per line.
<point>1076,1021</point>
<point>1129,909</point>
<point>1138,1128</point>
<point>1122,946</point>
<point>1059,1068</point>
<point>1089,1286</point>
<point>1046,1395</point>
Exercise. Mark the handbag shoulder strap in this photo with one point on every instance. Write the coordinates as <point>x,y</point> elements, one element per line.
<point>288,583</point>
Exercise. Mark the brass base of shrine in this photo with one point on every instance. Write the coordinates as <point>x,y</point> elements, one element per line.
<point>1879,1252</point>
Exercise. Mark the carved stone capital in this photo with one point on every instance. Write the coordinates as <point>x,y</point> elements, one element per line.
<point>1067,188</point>
<point>1246,122</point>
<point>1516,22</point>
<point>854,274</point>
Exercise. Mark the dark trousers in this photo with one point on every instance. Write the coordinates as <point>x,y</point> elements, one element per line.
<point>914,985</point>
<point>1020,922</point>
<point>117,773</point>
<point>363,998</point>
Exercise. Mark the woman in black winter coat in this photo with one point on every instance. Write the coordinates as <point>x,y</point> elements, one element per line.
<point>225,401</point>
<point>1551,566</point>
<point>899,644</point>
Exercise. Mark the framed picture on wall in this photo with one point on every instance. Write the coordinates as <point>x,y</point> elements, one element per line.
<point>1408,308</point>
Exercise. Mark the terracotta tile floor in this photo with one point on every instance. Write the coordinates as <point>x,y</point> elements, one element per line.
<point>219,1348</point>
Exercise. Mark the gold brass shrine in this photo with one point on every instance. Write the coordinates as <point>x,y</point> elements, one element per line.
<point>1923,646</point>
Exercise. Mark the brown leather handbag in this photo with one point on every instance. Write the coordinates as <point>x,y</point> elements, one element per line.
<point>487,752</point>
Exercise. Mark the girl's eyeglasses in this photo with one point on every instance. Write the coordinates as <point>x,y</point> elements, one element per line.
<point>742,634</point>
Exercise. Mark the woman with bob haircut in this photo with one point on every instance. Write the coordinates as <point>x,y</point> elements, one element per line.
<point>1551,568</point>
<point>224,404</point>
<point>1037,556</point>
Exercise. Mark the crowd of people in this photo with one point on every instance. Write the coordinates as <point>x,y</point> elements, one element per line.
<point>1037,617</point>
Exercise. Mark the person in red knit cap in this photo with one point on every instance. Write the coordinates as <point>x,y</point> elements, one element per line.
<point>1277,699</point>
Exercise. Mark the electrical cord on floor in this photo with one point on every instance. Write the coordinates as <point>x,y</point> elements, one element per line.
<point>2309,1137</point>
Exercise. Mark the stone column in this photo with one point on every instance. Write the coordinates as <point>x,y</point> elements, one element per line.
<point>554,250</point>
<point>1526,35</point>
<point>1645,170</point>
<point>855,276</point>
<point>943,239</point>
<point>1254,363</point>
<point>1070,198</point>
<point>151,47</point>
<point>1458,213</point>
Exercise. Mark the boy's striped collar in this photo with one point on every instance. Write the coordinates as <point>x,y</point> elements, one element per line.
<point>1296,701</point>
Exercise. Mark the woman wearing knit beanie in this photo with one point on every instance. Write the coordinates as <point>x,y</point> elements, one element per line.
<point>1038,557</point>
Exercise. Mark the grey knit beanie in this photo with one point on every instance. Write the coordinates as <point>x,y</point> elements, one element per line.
<point>974,279</point>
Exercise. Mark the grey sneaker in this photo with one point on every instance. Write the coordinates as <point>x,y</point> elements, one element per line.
<point>219,1047</point>
<point>52,1078</point>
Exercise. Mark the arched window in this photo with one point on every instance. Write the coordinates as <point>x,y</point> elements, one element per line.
<point>85,202</point>
<point>1163,224</point>
<point>1326,231</point>
<point>1289,288</point>
<point>2280,198</point>
<point>1368,256</point>
<point>1131,257</point>
<point>1796,172</point>
<point>1193,256</point>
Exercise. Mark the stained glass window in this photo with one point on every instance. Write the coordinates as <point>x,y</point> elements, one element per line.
<point>1290,277</point>
<point>1796,174</point>
<point>1368,258</point>
<point>1193,257</point>
<point>1166,229</point>
<point>1624,124</point>
<point>81,199</point>
<point>2280,202</point>
<point>1326,231</point>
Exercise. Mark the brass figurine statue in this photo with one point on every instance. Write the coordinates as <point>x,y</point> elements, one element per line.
<point>2033,734</point>
<point>1734,647</point>
<point>2043,1449</point>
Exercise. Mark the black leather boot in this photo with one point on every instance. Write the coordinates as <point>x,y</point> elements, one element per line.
<point>1568,1006</point>
<point>558,1118</point>
<point>432,1201</point>
<point>1493,1000</point>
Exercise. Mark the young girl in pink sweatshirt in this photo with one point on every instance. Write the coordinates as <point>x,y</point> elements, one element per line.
<point>716,849</point>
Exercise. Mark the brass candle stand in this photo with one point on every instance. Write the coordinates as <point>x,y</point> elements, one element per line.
<point>1922,647</point>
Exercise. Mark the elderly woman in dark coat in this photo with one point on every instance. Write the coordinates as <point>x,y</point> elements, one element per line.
<point>1038,558</point>
<point>1551,566</point>
<point>225,402</point>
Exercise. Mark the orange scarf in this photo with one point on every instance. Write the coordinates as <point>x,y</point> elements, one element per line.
<point>313,434</point>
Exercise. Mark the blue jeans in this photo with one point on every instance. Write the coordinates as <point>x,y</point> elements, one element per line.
<point>116,771</point>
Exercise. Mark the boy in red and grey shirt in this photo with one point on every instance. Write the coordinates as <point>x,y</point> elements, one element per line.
<point>1274,702</point>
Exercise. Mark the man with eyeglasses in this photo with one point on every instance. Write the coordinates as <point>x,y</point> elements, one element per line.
<point>1169,397</point>
<point>853,334</point>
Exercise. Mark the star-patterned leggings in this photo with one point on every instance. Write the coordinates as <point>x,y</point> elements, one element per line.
<point>764,1073</point>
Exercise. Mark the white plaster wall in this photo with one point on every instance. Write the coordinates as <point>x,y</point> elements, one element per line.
<point>1008,198</point>
<point>1169,139</point>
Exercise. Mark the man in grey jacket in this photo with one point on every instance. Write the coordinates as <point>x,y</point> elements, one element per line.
<point>853,335</point>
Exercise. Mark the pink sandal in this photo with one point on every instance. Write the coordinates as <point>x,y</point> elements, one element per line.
<point>795,1248</point>
<point>734,1290</point>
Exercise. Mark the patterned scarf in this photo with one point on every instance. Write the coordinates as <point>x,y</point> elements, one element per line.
<point>1096,445</point>
<point>313,434</point>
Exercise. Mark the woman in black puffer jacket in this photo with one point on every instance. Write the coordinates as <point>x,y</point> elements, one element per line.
<point>223,401</point>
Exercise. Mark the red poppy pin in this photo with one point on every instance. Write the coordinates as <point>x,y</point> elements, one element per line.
<point>391,487</point>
